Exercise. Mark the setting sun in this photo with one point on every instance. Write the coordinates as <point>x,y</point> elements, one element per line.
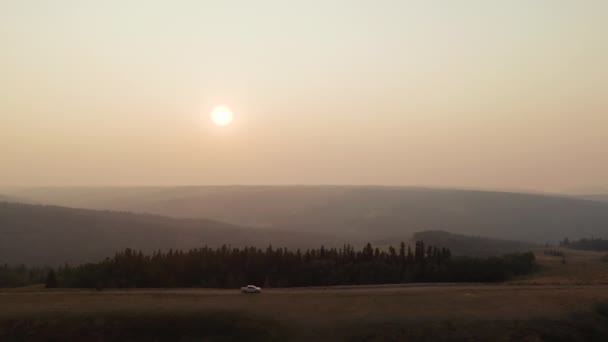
<point>221,116</point>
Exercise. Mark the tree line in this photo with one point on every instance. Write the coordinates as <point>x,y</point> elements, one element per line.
<point>17,276</point>
<point>555,253</point>
<point>593,244</point>
<point>227,267</point>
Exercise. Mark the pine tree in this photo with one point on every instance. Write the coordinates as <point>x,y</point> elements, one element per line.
<point>227,267</point>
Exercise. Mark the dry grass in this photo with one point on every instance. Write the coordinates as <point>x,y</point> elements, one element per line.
<point>561,301</point>
<point>423,301</point>
<point>321,313</point>
<point>581,267</point>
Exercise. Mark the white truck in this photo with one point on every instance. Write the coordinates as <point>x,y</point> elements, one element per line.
<point>251,289</point>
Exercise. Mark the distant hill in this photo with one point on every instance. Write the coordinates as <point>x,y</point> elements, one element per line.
<point>5,198</point>
<point>473,245</point>
<point>370,212</point>
<point>595,197</point>
<point>49,235</point>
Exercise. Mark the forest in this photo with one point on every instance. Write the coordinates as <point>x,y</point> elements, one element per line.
<point>228,267</point>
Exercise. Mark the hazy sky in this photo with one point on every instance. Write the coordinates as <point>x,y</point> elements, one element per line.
<point>485,94</point>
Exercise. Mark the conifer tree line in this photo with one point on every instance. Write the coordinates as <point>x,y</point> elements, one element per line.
<point>16,276</point>
<point>593,244</point>
<point>227,267</point>
<point>555,253</point>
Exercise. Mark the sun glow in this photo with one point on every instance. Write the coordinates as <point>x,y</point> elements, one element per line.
<point>221,116</point>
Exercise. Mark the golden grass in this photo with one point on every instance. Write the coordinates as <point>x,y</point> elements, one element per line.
<point>322,312</point>
<point>544,301</point>
<point>581,267</point>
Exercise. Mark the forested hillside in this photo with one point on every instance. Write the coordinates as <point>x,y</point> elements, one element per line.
<point>48,235</point>
<point>473,245</point>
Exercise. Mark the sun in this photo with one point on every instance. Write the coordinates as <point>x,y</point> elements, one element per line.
<point>221,116</point>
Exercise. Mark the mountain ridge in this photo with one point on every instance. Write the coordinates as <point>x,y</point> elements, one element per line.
<point>374,212</point>
<point>53,235</point>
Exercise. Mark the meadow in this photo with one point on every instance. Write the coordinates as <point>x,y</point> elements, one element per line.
<point>556,304</point>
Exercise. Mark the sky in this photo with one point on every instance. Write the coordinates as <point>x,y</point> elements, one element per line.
<point>476,94</point>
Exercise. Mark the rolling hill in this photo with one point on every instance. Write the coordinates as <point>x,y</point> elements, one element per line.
<point>12,199</point>
<point>595,197</point>
<point>367,212</point>
<point>473,245</point>
<point>49,235</point>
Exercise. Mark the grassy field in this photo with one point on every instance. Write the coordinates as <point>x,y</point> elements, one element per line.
<point>581,267</point>
<point>563,302</point>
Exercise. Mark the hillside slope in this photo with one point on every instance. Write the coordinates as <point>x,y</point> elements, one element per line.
<point>473,245</point>
<point>595,197</point>
<point>373,212</point>
<point>48,235</point>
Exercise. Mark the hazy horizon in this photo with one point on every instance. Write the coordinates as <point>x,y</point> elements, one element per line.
<point>474,94</point>
<point>15,190</point>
